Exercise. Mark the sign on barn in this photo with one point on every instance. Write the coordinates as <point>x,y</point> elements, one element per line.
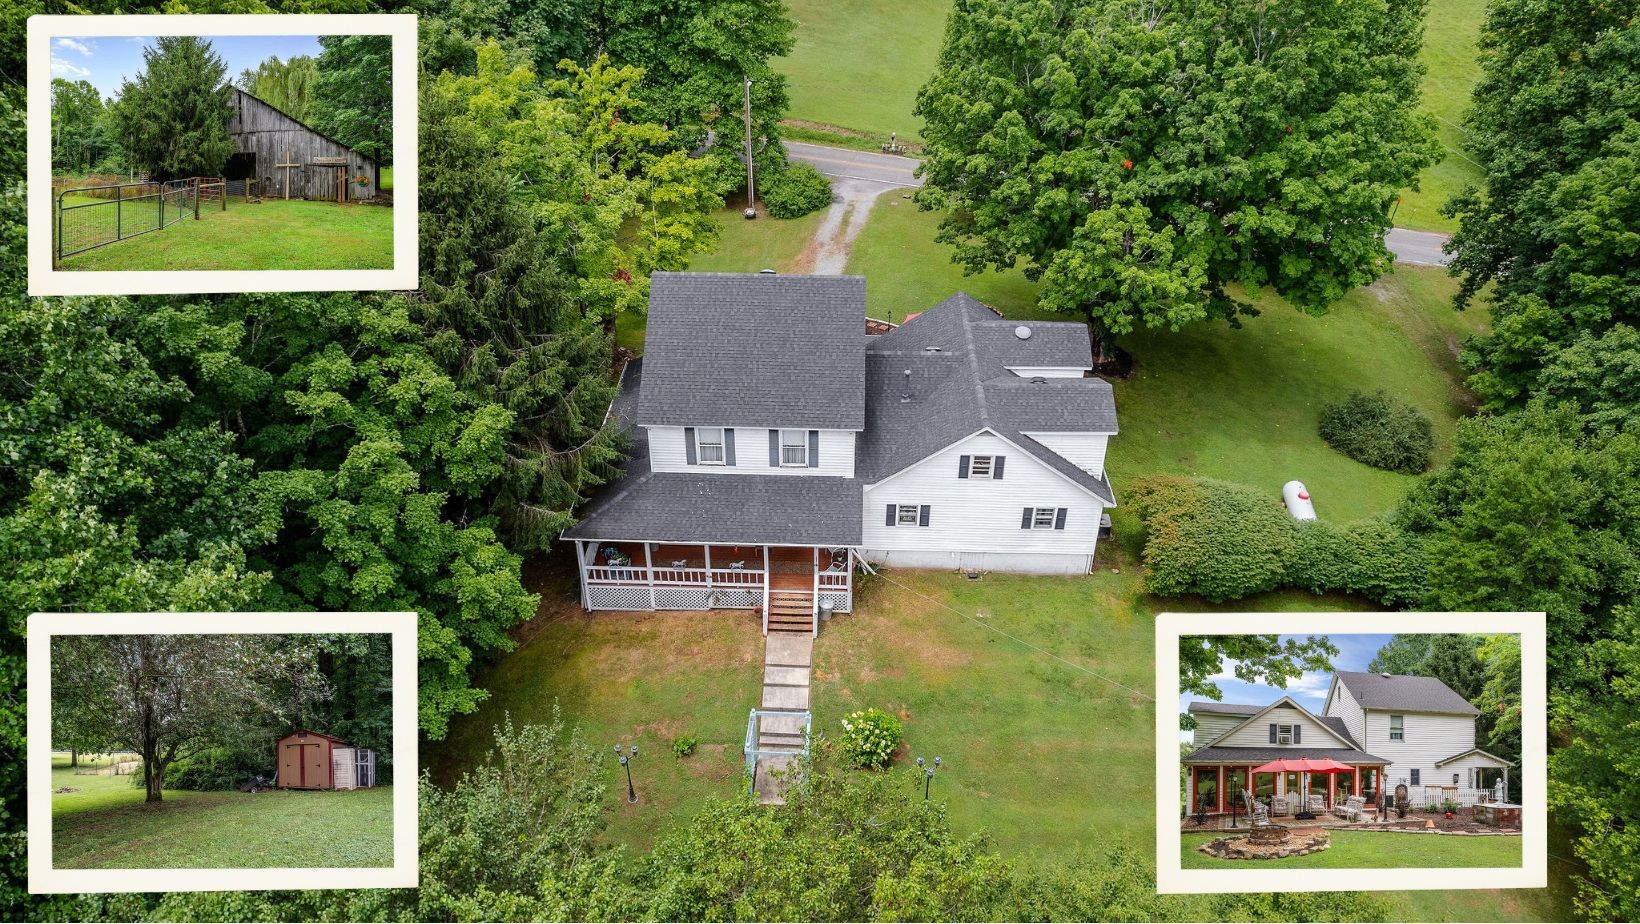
<point>290,160</point>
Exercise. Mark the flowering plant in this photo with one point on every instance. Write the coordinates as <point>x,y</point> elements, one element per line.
<point>870,737</point>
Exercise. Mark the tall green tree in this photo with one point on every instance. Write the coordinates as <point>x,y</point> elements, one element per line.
<point>80,138</point>
<point>1140,158</point>
<point>1268,659</point>
<point>172,120</point>
<point>287,86</point>
<point>1556,124</point>
<point>352,97</point>
<point>1402,654</point>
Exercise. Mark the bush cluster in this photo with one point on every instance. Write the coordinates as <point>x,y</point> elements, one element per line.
<point>684,745</point>
<point>1223,541</point>
<point>218,768</point>
<point>870,737</point>
<point>1379,431</point>
<point>795,190</point>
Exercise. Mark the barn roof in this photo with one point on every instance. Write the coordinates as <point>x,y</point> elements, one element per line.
<point>304,125</point>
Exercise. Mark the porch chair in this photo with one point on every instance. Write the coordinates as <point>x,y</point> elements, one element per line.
<point>1317,804</point>
<point>678,564</point>
<point>1255,810</point>
<point>1278,805</point>
<point>737,566</point>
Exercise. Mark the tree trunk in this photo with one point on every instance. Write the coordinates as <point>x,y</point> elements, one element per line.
<point>153,774</point>
<point>73,757</point>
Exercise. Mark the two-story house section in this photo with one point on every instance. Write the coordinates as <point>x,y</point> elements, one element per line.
<point>1232,740</point>
<point>777,442</point>
<point>1423,727</point>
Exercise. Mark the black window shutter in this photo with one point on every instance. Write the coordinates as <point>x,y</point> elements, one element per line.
<point>922,516</point>
<point>728,445</point>
<point>891,512</point>
<point>962,466</point>
<point>1298,735</point>
<point>1272,733</point>
<point>1026,522</point>
<point>774,448</point>
<point>1059,518</point>
<point>814,449</point>
<point>996,466</point>
<point>689,446</point>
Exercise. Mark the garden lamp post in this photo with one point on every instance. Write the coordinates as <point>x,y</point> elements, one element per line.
<point>928,774</point>
<point>626,764</point>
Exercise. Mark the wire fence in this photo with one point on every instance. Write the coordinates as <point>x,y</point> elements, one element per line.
<point>89,217</point>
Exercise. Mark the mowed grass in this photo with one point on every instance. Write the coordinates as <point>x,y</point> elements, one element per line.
<point>1375,850</point>
<point>271,235</point>
<point>1236,404</point>
<point>858,64</point>
<point>108,825</point>
<point>1450,71</point>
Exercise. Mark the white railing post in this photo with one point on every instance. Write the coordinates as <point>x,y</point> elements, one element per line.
<point>707,551</point>
<point>649,574</point>
<point>814,600</point>
<point>766,583</point>
<point>581,563</point>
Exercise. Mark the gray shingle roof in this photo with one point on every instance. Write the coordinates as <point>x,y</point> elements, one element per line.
<point>1256,756</point>
<point>754,350</point>
<point>685,507</point>
<point>1398,691</point>
<point>958,354</point>
<point>1227,708</point>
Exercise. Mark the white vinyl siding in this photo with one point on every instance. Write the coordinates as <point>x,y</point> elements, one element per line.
<point>668,453</point>
<point>1311,734</point>
<point>982,517</point>
<point>709,445</point>
<point>1342,705</point>
<point>1210,725</point>
<point>1086,451</point>
<point>794,447</point>
<point>1429,738</point>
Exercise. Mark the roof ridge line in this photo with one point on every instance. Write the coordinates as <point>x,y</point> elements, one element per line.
<point>973,367</point>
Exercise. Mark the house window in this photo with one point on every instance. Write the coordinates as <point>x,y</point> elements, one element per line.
<point>709,445</point>
<point>794,447</point>
<point>1397,729</point>
<point>1284,734</point>
<point>979,467</point>
<point>1415,778</point>
<point>907,515</point>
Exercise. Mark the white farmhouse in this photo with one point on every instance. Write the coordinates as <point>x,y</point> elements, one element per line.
<point>778,441</point>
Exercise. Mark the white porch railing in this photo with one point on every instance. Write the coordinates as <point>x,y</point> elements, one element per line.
<point>639,576</point>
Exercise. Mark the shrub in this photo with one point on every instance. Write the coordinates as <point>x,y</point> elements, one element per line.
<point>796,190</point>
<point>683,745</point>
<point>1212,538</point>
<point>870,737</point>
<point>217,768</point>
<point>1449,805</point>
<point>1379,431</point>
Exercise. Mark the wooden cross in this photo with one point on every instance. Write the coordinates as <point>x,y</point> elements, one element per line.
<point>287,168</point>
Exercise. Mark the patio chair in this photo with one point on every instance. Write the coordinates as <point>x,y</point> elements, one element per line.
<point>680,563</point>
<point>1256,811</point>
<point>737,566</point>
<point>1278,805</point>
<point>1317,804</point>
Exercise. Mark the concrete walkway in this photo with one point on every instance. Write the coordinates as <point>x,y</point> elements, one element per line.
<point>786,662</point>
<point>859,177</point>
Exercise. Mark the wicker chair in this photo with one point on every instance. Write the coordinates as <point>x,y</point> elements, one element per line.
<point>1256,810</point>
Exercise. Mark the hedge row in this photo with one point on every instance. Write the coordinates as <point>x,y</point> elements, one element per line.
<point>1223,541</point>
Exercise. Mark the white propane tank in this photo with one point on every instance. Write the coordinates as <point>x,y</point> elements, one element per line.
<point>1298,500</point>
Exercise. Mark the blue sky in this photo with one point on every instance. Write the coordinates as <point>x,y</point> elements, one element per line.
<point>1310,690</point>
<point>108,60</point>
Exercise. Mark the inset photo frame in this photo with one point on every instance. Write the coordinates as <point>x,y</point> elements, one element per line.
<point>1350,751</point>
<point>221,153</point>
<point>221,751</point>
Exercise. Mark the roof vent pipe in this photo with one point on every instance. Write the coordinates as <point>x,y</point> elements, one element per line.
<point>1038,380</point>
<point>905,396</point>
<point>1022,332</point>
<point>766,272</point>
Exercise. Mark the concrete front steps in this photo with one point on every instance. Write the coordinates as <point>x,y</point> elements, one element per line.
<point>786,661</point>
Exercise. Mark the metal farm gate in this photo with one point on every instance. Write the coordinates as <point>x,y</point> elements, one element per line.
<point>125,210</point>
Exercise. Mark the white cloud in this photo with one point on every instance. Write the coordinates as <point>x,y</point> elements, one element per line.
<point>75,45</point>
<point>67,70</point>
<point>1310,682</point>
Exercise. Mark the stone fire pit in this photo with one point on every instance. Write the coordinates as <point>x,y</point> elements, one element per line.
<point>1269,842</point>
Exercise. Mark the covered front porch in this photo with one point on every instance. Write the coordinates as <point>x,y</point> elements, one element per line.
<point>1213,792</point>
<point>787,584</point>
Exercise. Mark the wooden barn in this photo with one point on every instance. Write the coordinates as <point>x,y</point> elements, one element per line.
<point>289,160</point>
<point>309,760</point>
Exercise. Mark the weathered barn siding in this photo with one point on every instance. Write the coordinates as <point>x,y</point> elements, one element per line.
<point>264,137</point>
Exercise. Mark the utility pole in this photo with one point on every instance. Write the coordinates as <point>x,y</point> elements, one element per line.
<point>751,193</point>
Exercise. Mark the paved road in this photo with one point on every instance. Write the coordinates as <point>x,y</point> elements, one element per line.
<point>866,170</point>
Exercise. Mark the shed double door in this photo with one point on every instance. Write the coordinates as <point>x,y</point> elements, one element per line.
<point>304,765</point>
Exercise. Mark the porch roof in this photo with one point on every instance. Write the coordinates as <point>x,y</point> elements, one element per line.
<point>1253,757</point>
<point>740,510</point>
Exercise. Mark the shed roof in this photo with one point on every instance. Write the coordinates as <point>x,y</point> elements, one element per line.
<point>1400,691</point>
<point>754,350</point>
<point>313,734</point>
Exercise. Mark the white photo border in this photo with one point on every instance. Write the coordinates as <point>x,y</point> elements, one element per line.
<point>1533,873</point>
<point>44,878</point>
<point>43,276</point>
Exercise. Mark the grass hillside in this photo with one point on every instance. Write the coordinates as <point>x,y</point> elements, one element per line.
<point>1450,30</point>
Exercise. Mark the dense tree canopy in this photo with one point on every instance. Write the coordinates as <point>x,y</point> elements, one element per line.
<point>1556,123</point>
<point>172,120</point>
<point>287,86</point>
<point>352,94</point>
<point>1139,158</point>
<point>82,136</point>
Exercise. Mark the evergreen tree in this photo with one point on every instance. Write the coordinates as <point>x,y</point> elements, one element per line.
<point>353,93</point>
<point>172,120</point>
<point>1140,158</point>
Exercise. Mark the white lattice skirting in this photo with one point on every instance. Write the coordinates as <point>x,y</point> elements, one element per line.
<point>841,602</point>
<point>626,597</point>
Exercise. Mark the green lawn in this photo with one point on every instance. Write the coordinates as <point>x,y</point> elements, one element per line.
<point>107,825</point>
<point>859,63</point>
<point>1450,30</point>
<point>1375,850</point>
<point>387,179</point>
<point>271,235</point>
<point>1241,405</point>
